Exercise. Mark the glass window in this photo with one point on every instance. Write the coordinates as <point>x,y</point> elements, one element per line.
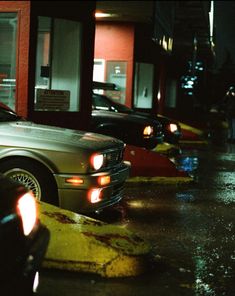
<point>98,70</point>
<point>8,37</point>
<point>99,102</point>
<point>116,73</point>
<point>57,83</point>
<point>143,89</point>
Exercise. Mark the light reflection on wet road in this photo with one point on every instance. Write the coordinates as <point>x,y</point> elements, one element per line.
<point>191,230</point>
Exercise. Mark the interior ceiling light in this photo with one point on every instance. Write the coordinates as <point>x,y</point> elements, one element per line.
<point>100,14</point>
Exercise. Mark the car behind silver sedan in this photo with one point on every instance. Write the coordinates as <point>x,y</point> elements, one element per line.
<point>79,171</point>
<point>24,240</point>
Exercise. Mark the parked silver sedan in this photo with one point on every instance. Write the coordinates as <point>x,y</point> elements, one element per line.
<point>79,171</point>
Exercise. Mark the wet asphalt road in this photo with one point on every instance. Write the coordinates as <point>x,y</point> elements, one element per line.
<point>191,230</point>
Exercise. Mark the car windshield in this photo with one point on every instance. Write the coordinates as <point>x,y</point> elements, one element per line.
<point>102,102</point>
<point>8,115</point>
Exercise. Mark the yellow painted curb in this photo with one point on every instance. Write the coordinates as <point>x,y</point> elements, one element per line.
<point>82,244</point>
<point>199,142</point>
<point>191,128</point>
<point>166,148</point>
<point>160,180</point>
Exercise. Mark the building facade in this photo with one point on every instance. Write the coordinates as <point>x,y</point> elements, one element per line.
<point>46,60</point>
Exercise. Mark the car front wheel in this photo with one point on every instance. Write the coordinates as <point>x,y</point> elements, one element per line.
<point>34,176</point>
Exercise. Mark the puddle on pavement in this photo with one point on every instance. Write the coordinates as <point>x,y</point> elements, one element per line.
<point>186,163</point>
<point>191,230</point>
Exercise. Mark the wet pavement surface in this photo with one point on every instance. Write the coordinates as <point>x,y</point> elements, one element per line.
<point>190,228</point>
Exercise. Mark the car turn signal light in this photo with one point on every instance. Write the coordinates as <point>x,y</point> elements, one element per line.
<point>104,180</point>
<point>74,181</point>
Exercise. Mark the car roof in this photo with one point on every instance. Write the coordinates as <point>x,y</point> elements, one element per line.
<point>104,85</point>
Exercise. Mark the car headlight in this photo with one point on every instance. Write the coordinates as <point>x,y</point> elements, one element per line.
<point>173,127</point>
<point>28,211</point>
<point>148,130</point>
<point>97,161</point>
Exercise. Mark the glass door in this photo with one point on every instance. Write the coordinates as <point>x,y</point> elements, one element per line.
<point>143,91</point>
<point>57,83</point>
<point>8,45</point>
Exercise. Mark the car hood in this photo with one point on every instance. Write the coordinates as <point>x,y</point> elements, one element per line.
<point>163,119</point>
<point>127,117</point>
<point>29,134</point>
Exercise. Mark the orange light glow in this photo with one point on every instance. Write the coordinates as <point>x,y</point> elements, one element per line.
<point>94,195</point>
<point>148,130</point>
<point>104,180</point>
<point>173,127</point>
<point>97,161</point>
<point>28,211</point>
<point>74,181</point>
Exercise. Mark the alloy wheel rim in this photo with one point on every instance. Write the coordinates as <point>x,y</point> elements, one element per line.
<point>27,179</point>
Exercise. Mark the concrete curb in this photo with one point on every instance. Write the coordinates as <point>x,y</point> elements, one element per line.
<point>199,142</point>
<point>160,180</point>
<point>82,244</point>
<point>167,148</point>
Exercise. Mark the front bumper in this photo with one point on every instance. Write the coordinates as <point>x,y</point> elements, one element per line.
<point>75,198</point>
<point>173,138</point>
<point>151,142</point>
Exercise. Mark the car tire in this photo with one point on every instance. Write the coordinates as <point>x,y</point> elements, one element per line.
<point>27,285</point>
<point>34,176</point>
<point>22,285</point>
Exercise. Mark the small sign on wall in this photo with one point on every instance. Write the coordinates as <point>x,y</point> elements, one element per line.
<point>52,100</point>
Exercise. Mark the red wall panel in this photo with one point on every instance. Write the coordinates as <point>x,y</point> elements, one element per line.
<point>22,62</point>
<point>115,42</point>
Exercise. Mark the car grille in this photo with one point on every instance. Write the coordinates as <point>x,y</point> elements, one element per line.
<point>114,157</point>
<point>118,189</point>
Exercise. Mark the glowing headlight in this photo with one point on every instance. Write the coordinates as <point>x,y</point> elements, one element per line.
<point>173,127</point>
<point>95,195</point>
<point>28,211</point>
<point>148,130</point>
<point>97,160</point>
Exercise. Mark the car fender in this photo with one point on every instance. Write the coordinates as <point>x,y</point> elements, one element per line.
<point>10,153</point>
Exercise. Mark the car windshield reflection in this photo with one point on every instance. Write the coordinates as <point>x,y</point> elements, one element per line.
<point>8,115</point>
